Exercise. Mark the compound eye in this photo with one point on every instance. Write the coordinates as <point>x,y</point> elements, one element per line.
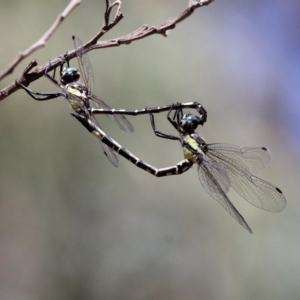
<point>189,122</point>
<point>75,75</point>
<point>70,74</point>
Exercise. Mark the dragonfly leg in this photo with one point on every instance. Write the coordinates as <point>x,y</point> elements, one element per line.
<point>159,133</point>
<point>34,95</point>
<point>177,115</point>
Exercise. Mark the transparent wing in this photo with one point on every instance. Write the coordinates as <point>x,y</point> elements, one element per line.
<point>120,120</point>
<point>110,154</point>
<point>219,173</point>
<point>77,101</point>
<point>107,150</point>
<point>212,186</point>
<point>85,66</point>
<point>251,158</point>
<point>87,74</point>
<point>253,189</point>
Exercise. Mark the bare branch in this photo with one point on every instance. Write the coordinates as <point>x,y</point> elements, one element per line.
<point>145,30</point>
<point>107,26</point>
<point>109,7</point>
<point>137,34</point>
<point>41,42</point>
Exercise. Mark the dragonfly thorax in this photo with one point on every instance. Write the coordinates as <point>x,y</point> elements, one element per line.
<point>77,89</point>
<point>192,148</point>
<point>80,100</point>
<point>69,74</point>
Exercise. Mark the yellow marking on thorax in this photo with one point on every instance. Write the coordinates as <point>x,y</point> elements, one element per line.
<point>74,91</point>
<point>193,144</point>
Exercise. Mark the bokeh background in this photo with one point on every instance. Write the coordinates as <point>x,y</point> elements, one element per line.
<point>74,227</point>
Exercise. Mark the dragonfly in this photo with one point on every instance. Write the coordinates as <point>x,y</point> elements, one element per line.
<point>221,166</point>
<point>177,169</point>
<point>80,95</point>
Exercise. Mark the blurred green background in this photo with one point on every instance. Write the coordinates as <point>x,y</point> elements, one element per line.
<point>74,227</point>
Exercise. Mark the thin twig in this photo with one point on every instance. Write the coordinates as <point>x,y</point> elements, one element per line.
<point>107,25</point>
<point>145,30</point>
<point>41,42</point>
<point>137,34</point>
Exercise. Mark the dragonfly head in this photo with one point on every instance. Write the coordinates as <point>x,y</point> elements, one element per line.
<point>69,74</point>
<point>189,123</point>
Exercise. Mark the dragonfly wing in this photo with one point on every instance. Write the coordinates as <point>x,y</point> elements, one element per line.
<point>212,186</point>
<point>85,66</point>
<point>87,74</point>
<point>110,153</point>
<point>253,159</point>
<point>253,189</point>
<point>120,120</point>
<point>220,174</point>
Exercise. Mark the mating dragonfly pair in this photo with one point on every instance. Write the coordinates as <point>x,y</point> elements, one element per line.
<point>220,166</point>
